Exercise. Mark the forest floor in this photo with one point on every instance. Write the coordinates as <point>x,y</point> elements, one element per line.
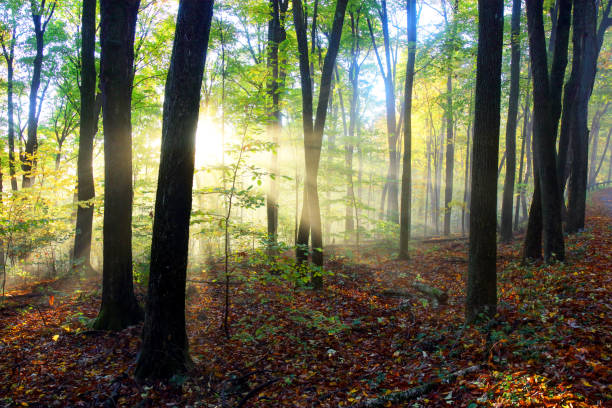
<point>550,345</point>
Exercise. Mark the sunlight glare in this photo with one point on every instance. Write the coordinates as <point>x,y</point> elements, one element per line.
<point>209,149</point>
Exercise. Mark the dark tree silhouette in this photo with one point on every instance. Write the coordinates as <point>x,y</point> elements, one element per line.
<point>310,220</point>
<point>511,124</point>
<point>165,350</point>
<point>119,307</point>
<point>88,128</point>
<point>482,277</point>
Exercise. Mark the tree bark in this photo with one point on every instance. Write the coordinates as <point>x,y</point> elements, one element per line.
<point>511,123</point>
<point>586,49</point>
<point>88,126</point>
<point>545,134</point>
<point>482,280</point>
<point>119,307</point>
<point>165,347</point>
<point>406,207</point>
<point>553,99</point>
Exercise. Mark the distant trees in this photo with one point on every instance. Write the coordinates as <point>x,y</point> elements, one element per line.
<point>88,126</point>
<point>482,277</point>
<point>8,39</point>
<point>165,350</point>
<point>119,307</point>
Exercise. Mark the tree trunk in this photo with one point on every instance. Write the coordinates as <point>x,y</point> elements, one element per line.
<point>119,307</point>
<point>545,135</point>
<point>594,134</point>
<point>585,48</point>
<point>276,35</point>
<point>406,217</point>
<point>31,148</point>
<point>9,56</point>
<point>165,347</point>
<point>511,124</point>
<point>85,181</point>
<point>482,281</point>
<point>310,220</point>
<point>524,147</point>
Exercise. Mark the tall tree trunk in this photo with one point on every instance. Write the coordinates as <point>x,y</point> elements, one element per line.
<point>310,220</point>
<point>511,123</point>
<point>466,176</point>
<point>9,56</point>
<point>545,134</point>
<point>31,148</point>
<point>535,226</point>
<point>524,148</point>
<point>482,280</point>
<point>276,35</point>
<point>165,347</point>
<point>586,48</point>
<point>119,307</point>
<point>391,185</point>
<point>88,127</point>
<point>406,208</point>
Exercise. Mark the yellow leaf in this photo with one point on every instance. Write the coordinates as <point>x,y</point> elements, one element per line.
<point>56,337</point>
<point>585,382</point>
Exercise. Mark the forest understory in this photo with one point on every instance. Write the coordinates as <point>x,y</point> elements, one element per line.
<point>357,339</point>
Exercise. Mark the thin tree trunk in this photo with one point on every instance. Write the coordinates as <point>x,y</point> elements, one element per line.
<point>482,282</point>
<point>9,56</point>
<point>511,124</point>
<point>81,254</point>
<point>119,307</point>
<point>406,207</point>
<point>165,347</point>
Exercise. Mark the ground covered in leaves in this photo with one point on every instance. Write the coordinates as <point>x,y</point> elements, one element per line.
<point>550,345</point>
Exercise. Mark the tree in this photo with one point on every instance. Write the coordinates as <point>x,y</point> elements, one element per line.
<point>165,350</point>
<point>482,278</point>
<point>310,220</point>
<point>41,15</point>
<point>537,226</point>
<point>405,215</point>
<point>276,35</point>
<point>450,143</point>
<point>88,128</point>
<point>511,123</point>
<point>388,74</point>
<point>587,42</point>
<point>8,39</point>
<point>119,307</point>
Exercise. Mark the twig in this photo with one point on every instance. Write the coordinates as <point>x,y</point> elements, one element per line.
<point>403,396</point>
<point>255,391</point>
<point>41,315</point>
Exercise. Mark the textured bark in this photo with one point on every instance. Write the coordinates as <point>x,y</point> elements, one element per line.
<point>119,307</point>
<point>310,220</point>
<point>482,277</point>
<point>406,208</point>
<point>586,49</point>
<point>165,350</point>
<point>545,135</point>
<point>553,99</point>
<point>511,124</point>
<point>31,148</point>
<point>88,123</point>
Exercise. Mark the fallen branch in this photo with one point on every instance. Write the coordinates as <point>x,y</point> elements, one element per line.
<point>434,293</point>
<point>256,391</point>
<point>412,393</point>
